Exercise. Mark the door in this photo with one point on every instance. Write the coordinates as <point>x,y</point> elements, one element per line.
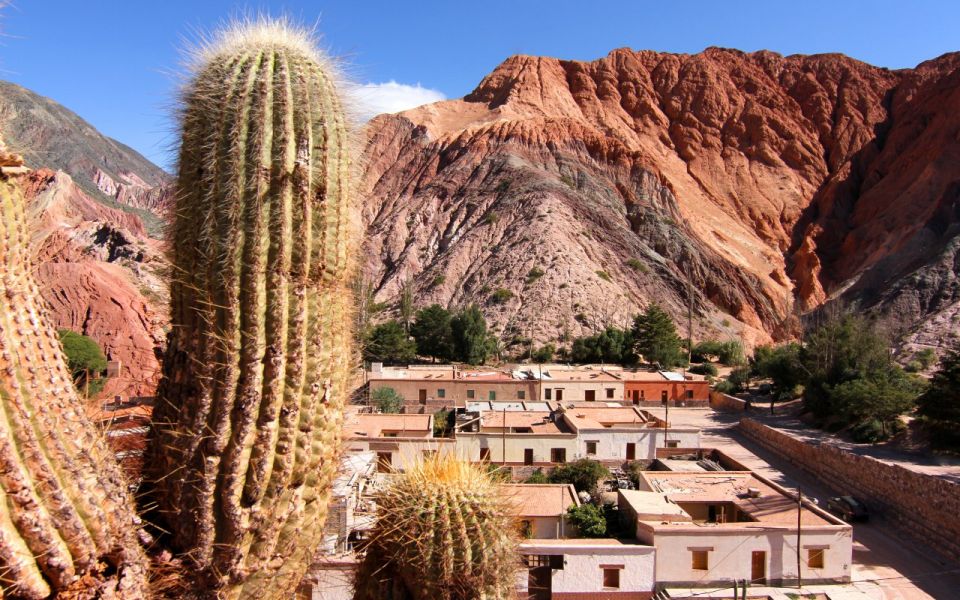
<point>384,462</point>
<point>559,395</point>
<point>590,395</point>
<point>423,396</point>
<point>663,397</point>
<point>631,451</point>
<point>485,454</point>
<point>539,583</point>
<point>528,456</point>
<point>758,567</point>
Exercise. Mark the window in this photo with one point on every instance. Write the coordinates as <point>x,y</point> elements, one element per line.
<point>547,393</point>
<point>591,448</point>
<point>611,577</point>
<point>590,395</point>
<point>815,558</point>
<point>491,395</point>
<point>471,394</point>
<point>643,394</point>
<point>699,560</point>
<point>554,561</point>
<point>521,395</point>
<point>558,455</point>
<point>609,392</point>
<point>428,453</point>
<point>389,434</point>
<point>441,393</point>
<point>673,444</point>
<point>690,394</point>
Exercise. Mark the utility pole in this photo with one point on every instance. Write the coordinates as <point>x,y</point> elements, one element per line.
<point>503,437</point>
<point>799,514</point>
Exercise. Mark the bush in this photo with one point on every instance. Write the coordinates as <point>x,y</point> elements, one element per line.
<point>740,378</point>
<point>85,360</point>
<point>637,265</point>
<point>926,358</point>
<point>583,474</point>
<point>501,296</point>
<point>537,477</point>
<point>534,274</point>
<point>704,369</point>
<point>441,423</point>
<point>870,431</point>
<point>389,343</point>
<point>604,275</point>
<point>490,218</point>
<point>589,520</point>
<point>725,387</point>
<point>438,280</point>
<point>544,354</point>
<point>387,400</point>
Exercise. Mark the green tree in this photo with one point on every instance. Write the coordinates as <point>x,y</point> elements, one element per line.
<point>433,333</point>
<point>406,304</point>
<point>85,360</point>
<point>441,423</point>
<point>387,400</point>
<point>612,345</point>
<point>583,474</point>
<point>544,354</point>
<point>389,343</point>
<point>941,402</point>
<point>882,395</point>
<point>589,520</point>
<point>655,338</point>
<point>471,344</point>
<point>782,365</point>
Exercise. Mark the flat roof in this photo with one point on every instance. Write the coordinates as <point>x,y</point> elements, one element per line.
<point>605,417</point>
<point>540,499</point>
<point>372,425</point>
<point>770,507</point>
<point>537,420</point>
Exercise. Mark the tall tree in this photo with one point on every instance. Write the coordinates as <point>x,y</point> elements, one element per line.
<point>941,401</point>
<point>389,343</point>
<point>470,340</point>
<point>433,332</point>
<point>655,337</point>
<point>612,345</point>
<point>406,303</point>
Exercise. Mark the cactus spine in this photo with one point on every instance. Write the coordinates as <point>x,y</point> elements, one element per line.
<point>255,373</point>
<point>65,512</point>
<point>443,532</point>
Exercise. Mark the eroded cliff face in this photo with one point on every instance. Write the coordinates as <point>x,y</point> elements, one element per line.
<point>101,275</point>
<point>774,183</point>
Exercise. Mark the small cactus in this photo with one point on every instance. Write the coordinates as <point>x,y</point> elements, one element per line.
<point>66,517</point>
<point>255,376</point>
<point>443,532</point>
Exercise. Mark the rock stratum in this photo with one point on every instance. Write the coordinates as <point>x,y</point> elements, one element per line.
<point>96,207</point>
<point>774,184</point>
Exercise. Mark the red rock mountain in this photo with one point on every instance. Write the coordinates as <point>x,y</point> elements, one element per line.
<point>94,204</point>
<point>778,183</point>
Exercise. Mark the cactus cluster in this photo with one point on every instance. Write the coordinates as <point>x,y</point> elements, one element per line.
<point>443,532</point>
<point>66,516</point>
<point>255,376</point>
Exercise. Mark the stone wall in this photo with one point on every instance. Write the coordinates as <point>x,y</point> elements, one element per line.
<point>922,506</point>
<point>726,403</point>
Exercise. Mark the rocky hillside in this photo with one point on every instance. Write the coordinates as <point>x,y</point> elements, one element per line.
<point>776,184</point>
<point>96,208</point>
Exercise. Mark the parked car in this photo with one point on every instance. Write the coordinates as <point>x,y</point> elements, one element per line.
<point>848,508</point>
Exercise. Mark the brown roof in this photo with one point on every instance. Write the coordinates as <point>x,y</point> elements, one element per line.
<point>601,417</point>
<point>373,425</point>
<point>538,421</point>
<point>541,499</point>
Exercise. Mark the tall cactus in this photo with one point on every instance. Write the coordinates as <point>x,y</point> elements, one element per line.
<point>255,376</point>
<point>66,518</point>
<point>443,532</point>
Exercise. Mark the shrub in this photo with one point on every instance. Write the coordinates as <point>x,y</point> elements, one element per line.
<point>438,280</point>
<point>589,520</point>
<point>537,476</point>
<point>387,400</point>
<point>490,218</point>
<point>534,274</point>
<point>544,354</point>
<point>704,369</point>
<point>583,474</point>
<point>604,276</point>
<point>870,431</point>
<point>725,387</point>
<point>501,296</point>
<point>637,265</point>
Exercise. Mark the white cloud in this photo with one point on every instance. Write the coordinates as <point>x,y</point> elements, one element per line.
<point>373,99</point>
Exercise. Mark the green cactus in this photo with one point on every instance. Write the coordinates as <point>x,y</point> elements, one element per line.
<point>66,516</point>
<point>255,375</point>
<point>443,532</point>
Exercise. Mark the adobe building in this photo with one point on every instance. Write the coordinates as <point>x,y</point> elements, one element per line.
<point>541,509</point>
<point>431,388</point>
<point>713,528</point>
<point>532,438</point>
<point>562,384</point>
<point>616,434</point>
<point>586,569</point>
<point>397,439</point>
<point>654,388</point>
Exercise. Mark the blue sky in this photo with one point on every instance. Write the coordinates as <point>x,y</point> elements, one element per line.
<point>114,62</point>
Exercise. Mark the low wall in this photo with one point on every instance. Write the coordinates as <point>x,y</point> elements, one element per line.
<point>922,506</point>
<point>725,402</point>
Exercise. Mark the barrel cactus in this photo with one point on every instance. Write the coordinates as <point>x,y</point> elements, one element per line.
<point>67,520</point>
<point>255,376</point>
<point>444,532</point>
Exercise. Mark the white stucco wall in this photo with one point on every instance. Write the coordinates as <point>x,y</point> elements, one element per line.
<point>612,443</point>
<point>404,451</point>
<point>582,572</point>
<point>469,445</point>
<point>732,550</point>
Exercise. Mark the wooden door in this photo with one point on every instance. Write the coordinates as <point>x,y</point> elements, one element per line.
<point>423,396</point>
<point>758,567</point>
<point>559,395</point>
<point>528,456</point>
<point>631,451</point>
<point>539,583</point>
